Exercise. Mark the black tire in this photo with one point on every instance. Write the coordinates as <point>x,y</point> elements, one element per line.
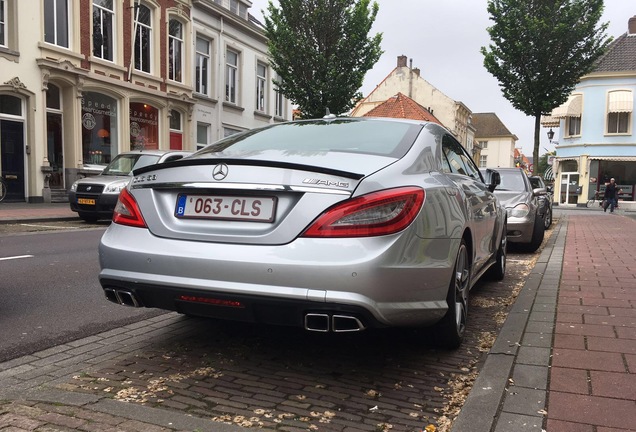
<point>87,217</point>
<point>449,332</point>
<point>498,269</point>
<point>537,235</point>
<point>547,217</point>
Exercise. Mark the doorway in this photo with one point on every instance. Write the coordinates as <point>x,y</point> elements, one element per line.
<point>570,188</point>
<point>12,158</point>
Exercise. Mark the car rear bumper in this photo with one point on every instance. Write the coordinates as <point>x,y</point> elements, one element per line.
<point>382,281</point>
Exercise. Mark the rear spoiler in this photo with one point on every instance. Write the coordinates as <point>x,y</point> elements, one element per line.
<point>247,162</point>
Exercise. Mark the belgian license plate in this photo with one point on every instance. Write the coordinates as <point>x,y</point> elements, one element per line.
<point>256,209</point>
<point>86,201</point>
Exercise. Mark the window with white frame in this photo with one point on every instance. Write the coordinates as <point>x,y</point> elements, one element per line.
<point>103,29</point>
<point>56,20</point>
<point>227,131</point>
<point>175,50</point>
<point>3,23</point>
<point>202,71</point>
<point>203,135</point>
<point>261,81</point>
<point>573,126</point>
<point>279,109</point>
<point>143,38</point>
<point>483,161</point>
<point>619,111</point>
<point>484,144</point>
<point>231,76</point>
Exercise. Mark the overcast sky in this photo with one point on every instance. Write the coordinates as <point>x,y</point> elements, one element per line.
<point>443,38</point>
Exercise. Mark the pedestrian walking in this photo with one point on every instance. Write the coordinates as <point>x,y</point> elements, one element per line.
<point>611,195</point>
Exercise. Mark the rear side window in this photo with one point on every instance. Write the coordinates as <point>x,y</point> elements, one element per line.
<point>384,138</point>
<point>124,164</point>
<point>456,160</point>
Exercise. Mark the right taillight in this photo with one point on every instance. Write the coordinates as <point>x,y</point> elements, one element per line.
<point>375,214</point>
<point>127,211</point>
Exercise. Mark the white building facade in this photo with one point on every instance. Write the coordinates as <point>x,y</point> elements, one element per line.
<point>84,80</point>
<point>454,115</point>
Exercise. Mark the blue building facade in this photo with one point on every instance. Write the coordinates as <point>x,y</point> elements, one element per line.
<point>597,128</point>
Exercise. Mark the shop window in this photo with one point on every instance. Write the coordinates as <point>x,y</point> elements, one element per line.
<point>56,19</point>
<point>175,50</point>
<point>103,29</point>
<point>143,38</point>
<point>144,126</point>
<point>99,128</point>
<point>202,66</point>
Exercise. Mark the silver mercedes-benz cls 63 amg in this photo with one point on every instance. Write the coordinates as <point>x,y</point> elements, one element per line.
<point>334,225</point>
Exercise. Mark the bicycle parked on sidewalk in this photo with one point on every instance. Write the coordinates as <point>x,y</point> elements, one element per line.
<point>595,199</point>
<point>3,188</point>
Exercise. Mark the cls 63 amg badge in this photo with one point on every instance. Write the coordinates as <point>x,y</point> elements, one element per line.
<point>321,182</point>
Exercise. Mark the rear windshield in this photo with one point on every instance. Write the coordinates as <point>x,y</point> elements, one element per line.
<point>124,164</point>
<point>512,181</point>
<point>366,136</point>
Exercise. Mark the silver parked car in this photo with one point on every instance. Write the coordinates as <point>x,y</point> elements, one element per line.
<point>95,197</point>
<point>526,227</point>
<point>331,224</point>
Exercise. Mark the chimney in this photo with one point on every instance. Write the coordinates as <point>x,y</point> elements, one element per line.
<point>401,61</point>
<point>416,71</point>
<point>632,25</point>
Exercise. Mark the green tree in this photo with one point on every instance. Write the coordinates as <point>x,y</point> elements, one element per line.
<point>321,51</point>
<point>540,49</point>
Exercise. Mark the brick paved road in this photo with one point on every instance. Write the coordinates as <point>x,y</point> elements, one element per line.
<point>274,378</point>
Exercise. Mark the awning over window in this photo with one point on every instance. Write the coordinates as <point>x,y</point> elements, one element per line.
<point>620,101</point>
<point>615,158</point>
<point>571,108</point>
<point>549,121</point>
<point>548,175</point>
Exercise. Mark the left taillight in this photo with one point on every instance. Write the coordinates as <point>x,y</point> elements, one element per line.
<point>375,214</point>
<point>127,211</point>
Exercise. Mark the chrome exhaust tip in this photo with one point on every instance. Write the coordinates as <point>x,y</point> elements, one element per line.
<point>121,297</point>
<point>317,322</point>
<point>345,323</point>
<point>111,295</point>
<point>127,298</point>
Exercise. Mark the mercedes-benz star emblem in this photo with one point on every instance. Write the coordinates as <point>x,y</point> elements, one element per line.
<point>220,172</point>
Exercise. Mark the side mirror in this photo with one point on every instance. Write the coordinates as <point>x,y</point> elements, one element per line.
<point>539,191</point>
<point>493,179</point>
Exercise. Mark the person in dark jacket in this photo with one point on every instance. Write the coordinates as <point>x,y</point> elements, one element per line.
<point>611,195</point>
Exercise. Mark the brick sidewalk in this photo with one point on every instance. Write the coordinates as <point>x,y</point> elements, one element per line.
<point>593,375</point>
<point>565,360</point>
